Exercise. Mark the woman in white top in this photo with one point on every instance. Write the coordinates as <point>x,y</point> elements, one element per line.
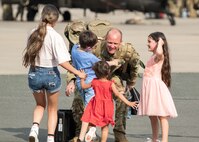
<point>45,51</point>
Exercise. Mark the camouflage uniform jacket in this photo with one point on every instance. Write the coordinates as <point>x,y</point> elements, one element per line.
<point>129,65</point>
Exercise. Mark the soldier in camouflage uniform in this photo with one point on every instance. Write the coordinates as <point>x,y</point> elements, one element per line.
<point>20,10</point>
<point>177,7</point>
<point>190,7</point>
<point>109,49</point>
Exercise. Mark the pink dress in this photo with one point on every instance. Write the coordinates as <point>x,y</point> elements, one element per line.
<point>100,109</point>
<point>155,99</point>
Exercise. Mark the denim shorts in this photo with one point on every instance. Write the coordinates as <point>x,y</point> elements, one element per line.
<point>44,79</point>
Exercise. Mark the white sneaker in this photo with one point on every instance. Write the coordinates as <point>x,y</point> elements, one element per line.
<point>51,139</point>
<point>94,137</point>
<point>90,134</point>
<point>150,140</point>
<point>33,136</point>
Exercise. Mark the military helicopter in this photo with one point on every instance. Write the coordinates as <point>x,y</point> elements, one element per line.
<point>99,6</point>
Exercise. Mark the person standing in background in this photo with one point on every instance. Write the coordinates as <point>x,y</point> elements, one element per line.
<point>20,9</point>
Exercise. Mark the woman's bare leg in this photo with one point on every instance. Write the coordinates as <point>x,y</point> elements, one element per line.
<point>52,113</point>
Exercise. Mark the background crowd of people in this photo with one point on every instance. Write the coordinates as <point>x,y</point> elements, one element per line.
<point>180,8</point>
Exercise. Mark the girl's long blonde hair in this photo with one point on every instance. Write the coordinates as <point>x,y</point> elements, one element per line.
<point>49,15</point>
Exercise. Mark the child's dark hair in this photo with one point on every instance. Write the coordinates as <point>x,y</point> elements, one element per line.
<point>166,69</point>
<point>102,69</point>
<point>87,39</point>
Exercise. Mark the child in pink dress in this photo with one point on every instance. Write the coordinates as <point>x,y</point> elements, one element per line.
<point>100,109</point>
<point>156,100</point>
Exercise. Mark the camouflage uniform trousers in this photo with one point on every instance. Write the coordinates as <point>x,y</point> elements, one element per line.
<point>7,14</point>
<point>77,110</point>
<point>190,7</point>
<point>176,7</point>
<point>120,110</point>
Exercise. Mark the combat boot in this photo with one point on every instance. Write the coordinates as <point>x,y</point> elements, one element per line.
<point>120,137</point>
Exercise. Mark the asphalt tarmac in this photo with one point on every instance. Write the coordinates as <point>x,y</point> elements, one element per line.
<point>17,103</point>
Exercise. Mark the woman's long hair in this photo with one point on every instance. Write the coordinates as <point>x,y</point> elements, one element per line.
<point>49,15</point>
<point>166,68</point>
